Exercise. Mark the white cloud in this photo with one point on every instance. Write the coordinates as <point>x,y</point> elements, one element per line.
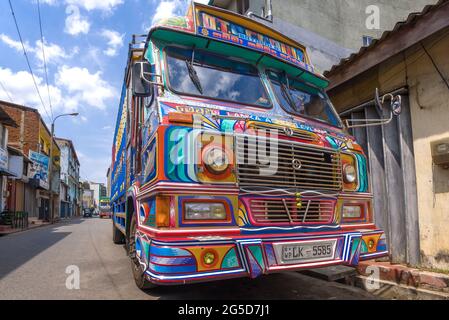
<point>75,23</point>
<point>166,9</point>
<point>115,41</point>
<point>85,88</point>
<point>103,5</point>
<point>53,52</point>
<point>22,90</point>
<point>49,2</point>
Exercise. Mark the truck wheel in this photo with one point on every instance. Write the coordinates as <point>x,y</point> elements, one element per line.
<point>117,235</point>
<point>138,271</point>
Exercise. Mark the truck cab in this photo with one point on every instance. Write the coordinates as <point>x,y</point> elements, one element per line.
<point>229,160</point>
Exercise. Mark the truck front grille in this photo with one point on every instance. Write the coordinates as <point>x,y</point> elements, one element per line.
<point>289,165</point>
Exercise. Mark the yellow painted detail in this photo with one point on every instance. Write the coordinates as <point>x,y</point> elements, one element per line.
<point>198,253</point>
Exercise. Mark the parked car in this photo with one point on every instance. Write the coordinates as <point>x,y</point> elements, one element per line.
<point>88,213</point>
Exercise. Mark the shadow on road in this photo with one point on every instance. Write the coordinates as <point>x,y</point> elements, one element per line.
<point>17,249</point>
<point>287,286</point>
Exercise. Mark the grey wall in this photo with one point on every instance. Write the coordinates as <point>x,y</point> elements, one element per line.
<point>333,29</point>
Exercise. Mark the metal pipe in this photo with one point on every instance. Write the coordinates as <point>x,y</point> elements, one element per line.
<point>269,8</point>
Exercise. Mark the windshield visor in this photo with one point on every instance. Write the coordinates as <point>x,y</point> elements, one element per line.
<point>215,77</point>
<point>300,99</point>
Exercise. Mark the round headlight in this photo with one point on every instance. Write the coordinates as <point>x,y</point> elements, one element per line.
<point>216,160</point>
<point>349,174</point>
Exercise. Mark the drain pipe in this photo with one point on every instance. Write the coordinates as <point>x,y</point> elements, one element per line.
<point>269,7</point>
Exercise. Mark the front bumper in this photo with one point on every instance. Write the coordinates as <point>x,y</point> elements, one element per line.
<point>180,262</point>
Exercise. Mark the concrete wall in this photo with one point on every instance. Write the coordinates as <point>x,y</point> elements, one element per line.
<point>344,21</point>
<point>332,30</point>
<point>429,106</point>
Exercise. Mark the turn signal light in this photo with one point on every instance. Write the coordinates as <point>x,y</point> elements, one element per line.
<point>162,212</point>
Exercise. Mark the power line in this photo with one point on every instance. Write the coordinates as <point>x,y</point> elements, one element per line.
<point>28,61</point>
<point>43,56</point>
<point>6,91</point>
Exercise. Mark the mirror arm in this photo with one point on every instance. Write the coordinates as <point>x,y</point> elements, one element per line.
<point>368,122</point>
<point>142,76</point>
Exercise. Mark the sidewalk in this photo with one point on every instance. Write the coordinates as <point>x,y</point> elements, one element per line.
<point>422,283</point>
<point>6,230</point>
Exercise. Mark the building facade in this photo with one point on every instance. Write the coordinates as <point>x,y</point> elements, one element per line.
<point>70,175</point>
<point>331,30</point>
<point>5,122</point>
<point>31,140</point>
<point>409,157</point>
<point>99,191</point>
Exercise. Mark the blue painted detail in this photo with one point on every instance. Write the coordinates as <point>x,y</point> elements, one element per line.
<point>118,174</point>
<point>138,248</point>
<point>149,163</point>
<point>276,230</point>
<point>256,270</point>
<point>270,255</point>
<point>230,261</point>
<point>172,269</point>
<point>169,252</point>
<point>362,172</point>
<point>173,261</point>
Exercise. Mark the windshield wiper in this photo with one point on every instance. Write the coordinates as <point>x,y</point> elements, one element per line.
<point>194,76</point>
<point>287,96</point>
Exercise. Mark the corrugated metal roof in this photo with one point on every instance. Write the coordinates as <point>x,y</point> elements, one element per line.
<point>411,19</point>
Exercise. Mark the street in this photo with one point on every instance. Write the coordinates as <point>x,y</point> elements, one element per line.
<point>33,266</point>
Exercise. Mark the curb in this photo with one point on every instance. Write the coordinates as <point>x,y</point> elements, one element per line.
<point>404,276</point>
<point>394,291</point>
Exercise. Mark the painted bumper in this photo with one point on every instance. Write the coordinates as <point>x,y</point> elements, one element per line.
<point>180,262</point>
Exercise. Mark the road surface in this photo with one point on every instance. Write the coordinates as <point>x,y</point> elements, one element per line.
<point>33,265</point>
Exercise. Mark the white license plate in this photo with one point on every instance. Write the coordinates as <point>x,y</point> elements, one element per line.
<point>305,252</point>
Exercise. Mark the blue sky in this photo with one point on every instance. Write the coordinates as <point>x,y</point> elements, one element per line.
<point>86,43</point>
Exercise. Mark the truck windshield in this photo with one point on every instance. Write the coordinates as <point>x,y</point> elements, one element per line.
<point>298,98</point>
<point>215,77</point>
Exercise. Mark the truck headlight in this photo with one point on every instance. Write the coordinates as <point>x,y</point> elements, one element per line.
<point>205,211</point>
<point>349,173</point>
<point>216,160</point>
<point>351,212</point>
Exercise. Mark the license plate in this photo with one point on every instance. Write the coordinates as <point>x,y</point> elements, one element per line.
<point>304,252</point>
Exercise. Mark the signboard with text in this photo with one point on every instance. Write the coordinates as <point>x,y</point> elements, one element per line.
<point>3,159</point>
<point>38,169</point>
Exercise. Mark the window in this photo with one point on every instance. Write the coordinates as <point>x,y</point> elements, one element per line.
<point>300,99</point>
<point>215,77</point>
<point>367,40</point>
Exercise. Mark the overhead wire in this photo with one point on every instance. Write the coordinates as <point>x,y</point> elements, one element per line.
<point>27,59</point>
<point>44,58</point>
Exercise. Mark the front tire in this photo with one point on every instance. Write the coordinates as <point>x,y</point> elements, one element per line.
<point>117,236</point>
<point>137,269</point>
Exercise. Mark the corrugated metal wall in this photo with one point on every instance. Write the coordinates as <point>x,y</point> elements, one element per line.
<point>389,149</point>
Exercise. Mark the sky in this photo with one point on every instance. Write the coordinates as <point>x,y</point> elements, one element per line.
<point>85,48</point>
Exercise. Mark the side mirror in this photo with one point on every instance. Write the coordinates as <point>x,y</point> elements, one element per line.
<point>141,87</point>
<point>396,105</point>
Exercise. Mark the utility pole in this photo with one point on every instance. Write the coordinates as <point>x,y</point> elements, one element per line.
<point>50,174</point>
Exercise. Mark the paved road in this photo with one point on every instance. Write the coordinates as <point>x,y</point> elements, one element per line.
<point>33,266</point>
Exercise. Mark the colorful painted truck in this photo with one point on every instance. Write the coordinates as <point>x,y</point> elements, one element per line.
<point>104,207</point>
<point>230,161</point>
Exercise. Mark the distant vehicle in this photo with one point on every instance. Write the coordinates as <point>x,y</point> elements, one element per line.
<point>105,208</point>
<point>87,212</point>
